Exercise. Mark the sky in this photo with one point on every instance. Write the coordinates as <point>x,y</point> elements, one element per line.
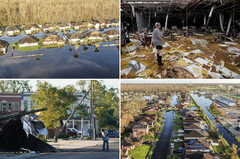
<point>63,82</point>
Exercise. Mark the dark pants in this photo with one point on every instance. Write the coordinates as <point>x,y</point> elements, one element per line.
<point>105,142</point>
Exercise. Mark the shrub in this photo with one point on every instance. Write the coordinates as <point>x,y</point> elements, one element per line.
<point>89,138</point>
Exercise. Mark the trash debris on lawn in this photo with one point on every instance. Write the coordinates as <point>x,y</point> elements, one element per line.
<point>19,133</point>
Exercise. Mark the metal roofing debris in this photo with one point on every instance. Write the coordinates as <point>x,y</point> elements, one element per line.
<point>233,50</point>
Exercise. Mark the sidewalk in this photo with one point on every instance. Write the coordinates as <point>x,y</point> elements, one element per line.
<point>78,145</point>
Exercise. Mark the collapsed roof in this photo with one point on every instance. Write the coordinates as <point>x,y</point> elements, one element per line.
<point>185,12</point>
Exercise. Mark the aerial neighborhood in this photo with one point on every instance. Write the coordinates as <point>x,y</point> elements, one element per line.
<point>177,123</point>
<point>57,35</point>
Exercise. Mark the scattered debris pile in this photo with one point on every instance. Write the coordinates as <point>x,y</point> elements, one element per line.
<point>194,56</point>
<point>19,131</point>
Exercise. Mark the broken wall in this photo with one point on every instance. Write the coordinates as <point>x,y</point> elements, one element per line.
<point>142,23</point>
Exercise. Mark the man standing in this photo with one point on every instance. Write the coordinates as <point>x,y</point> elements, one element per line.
<point>157,41</point>
<point>105,139</point>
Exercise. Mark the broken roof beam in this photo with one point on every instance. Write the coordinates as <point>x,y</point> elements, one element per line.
<point>19,114</point>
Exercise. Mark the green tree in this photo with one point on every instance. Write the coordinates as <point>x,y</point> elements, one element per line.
<point>81,84</point>
<point>15,86</point>
<point>58,101</point>
<point>106,102</point>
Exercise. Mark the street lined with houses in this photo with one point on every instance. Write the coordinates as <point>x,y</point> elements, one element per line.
<point>189,129</point>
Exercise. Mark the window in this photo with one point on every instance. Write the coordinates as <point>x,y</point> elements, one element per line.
<point>16,107</point>
<point>25,104</point>
<point>9,106</point>
<point>4,107</point>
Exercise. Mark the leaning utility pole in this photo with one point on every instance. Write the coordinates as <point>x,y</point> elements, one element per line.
<point>75,109</point>
<point>90,109</point>
<point>93,111</point>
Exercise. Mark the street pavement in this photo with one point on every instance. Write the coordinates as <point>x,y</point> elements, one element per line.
<point>74,149</point>
<point>79,155</point>
<point>78,145</point>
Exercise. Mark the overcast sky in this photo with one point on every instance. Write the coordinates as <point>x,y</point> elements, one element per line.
<point>64,82</point>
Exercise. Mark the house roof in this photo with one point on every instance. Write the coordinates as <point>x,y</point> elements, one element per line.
<point>3,44</point>
<point>139,126</point>
<point>30,39</point>
<point>136,139</point>
<point>30,26</point>
<point>112,32</point>
<point>93,34</point>
<point>185,121</point>
<point>77,24</point>
<point>192,126</point>
<point>12,28</point>
<point>127,142</point>
<point>75,36</point>
<point>196,144</point>
<point>53,37</point>
<point>195,133</point>
<point>62,25</point>
<point>47,26</point>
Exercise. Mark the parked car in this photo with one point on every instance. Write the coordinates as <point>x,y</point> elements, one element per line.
<point>177,140</point>
<point>73,132</point>
<point>113,134</point>
<point>172,145</point>
<point>180,134</point>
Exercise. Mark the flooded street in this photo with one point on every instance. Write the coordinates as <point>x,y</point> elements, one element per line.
<point>206,102</point>
<point>61,62</point>
<point>161,149</point>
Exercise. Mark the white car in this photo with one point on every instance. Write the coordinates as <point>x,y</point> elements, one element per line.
<point>180,134</point>
<point>172,145</point>
<point>177,140</point>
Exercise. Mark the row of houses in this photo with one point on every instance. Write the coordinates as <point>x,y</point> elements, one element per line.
<point>196,137</point>
<point>16,102</point>
<point>34,28</point>
<point>54,39</point>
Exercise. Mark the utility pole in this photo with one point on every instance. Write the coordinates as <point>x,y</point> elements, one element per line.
<point>93,111</point>
<point>90,109</point>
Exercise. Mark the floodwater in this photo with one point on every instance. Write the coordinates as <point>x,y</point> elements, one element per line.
<point>206,102</point>
<point>174,100</point>
<point>162,146</point>
<point>61,62</point>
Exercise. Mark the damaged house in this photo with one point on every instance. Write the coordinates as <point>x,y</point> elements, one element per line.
<point>202,38</point>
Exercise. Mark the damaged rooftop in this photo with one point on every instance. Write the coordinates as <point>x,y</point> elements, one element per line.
<point>202,38</point>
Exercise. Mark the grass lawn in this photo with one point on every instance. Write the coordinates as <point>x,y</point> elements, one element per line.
<point>218,149</point>
<point>28,48</point>
<point>52,46</point>
<point>179,120</point>
<point>175,156</point>
<point>139,152</point>
<point>151,152</point>
<point>148,138</point>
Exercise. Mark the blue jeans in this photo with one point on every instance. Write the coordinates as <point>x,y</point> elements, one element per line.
<point>105,141</point>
